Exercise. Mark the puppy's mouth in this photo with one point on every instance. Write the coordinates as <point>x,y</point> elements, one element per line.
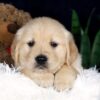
<point>41,67</point>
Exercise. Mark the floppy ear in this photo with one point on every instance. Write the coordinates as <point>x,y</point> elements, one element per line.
<point>72,50</point>
<point>15,51</point>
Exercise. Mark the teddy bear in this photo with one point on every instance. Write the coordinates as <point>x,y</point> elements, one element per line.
<point>11,19</point>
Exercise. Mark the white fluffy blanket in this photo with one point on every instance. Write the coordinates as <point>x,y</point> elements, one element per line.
<point>15,86</point>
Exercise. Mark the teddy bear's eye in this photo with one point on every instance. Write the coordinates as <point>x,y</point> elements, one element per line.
<point>31,43</point>
<point>53,44</point>
<point>4,19</point>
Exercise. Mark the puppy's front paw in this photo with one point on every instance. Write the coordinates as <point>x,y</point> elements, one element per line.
<point>44,79</point>
<point>61,85</point>
<point>64,79</point>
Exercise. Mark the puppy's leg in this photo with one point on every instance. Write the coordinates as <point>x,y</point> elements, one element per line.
<point>43,79</point>
<point>65,78</point>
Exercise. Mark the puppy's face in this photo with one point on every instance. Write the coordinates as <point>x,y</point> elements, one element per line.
<point>40,45</point>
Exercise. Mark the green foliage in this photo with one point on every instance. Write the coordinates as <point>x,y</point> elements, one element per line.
<point>89,20</point>
<point>75,27</point>
<point>90,56</point>
<point>95,56</point>
<point>85,44</point>
<point>85,50</point>
<point>75,23</point>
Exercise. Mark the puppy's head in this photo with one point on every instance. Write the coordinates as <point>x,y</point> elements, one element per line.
<point>43,44</point>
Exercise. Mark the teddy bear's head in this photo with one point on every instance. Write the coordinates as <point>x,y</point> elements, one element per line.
<point>11,19</point>
<point>7,32</point>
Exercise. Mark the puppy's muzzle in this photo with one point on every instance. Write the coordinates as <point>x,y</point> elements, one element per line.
<point>41,60</point>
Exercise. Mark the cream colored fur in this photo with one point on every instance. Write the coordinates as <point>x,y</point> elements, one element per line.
<point>64,61</point>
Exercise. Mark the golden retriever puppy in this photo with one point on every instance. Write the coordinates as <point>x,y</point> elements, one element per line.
<point>46,52</point>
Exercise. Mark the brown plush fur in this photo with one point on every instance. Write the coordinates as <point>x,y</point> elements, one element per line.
<point>11,19</point>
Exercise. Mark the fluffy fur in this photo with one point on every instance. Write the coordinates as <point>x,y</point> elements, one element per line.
<point>46,36</point>
<point>15,86</point>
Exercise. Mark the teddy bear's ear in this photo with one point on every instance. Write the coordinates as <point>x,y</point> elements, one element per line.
<point>13,27</point>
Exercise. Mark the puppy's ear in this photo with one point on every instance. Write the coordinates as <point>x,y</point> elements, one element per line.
<point>72,50</point>
<point>15,51</point>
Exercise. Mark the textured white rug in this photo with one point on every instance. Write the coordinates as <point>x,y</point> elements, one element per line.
<point>15,86</point>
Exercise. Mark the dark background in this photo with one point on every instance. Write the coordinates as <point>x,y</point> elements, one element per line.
<point>61,10</point>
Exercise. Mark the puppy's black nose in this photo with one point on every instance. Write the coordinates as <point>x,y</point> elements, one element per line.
<point>41,59</point>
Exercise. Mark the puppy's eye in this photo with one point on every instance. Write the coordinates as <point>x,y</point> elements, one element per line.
<point>54,44</point>
<point>31,43</point>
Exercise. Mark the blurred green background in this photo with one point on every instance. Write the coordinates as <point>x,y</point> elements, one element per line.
<point>90,51</point>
